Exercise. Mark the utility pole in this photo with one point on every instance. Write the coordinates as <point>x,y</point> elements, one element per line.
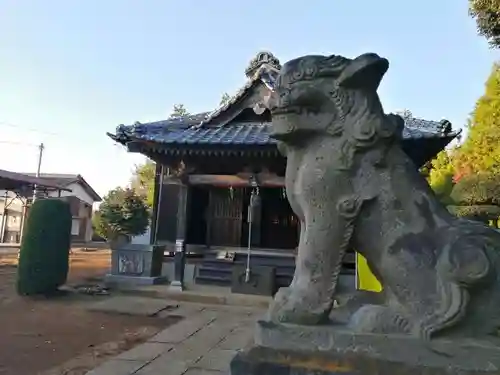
<point>41,147</point>
<point>4,217</point>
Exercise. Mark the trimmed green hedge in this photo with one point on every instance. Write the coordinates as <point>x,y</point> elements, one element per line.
<point>476,212</point>
<point>44,257</point>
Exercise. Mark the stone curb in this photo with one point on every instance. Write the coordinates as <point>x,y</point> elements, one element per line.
<point>241,300</point>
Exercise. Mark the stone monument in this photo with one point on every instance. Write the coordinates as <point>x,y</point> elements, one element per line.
<point>351,184</point>
<point>135,264</point>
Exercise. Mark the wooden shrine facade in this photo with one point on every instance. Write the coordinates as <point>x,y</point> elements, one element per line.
<point>217,202</point>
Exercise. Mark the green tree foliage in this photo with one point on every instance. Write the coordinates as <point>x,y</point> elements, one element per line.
<point>179,110</point>
<point>480,152</point>
<point>487,16</point>
<point>98,225</point>
<point>122,212</point>
<point>224,99</point>
<point>476,193</point>
<point>44,255</point>
<point>425,170</point>
<point>143,180</point>
<point>441,176</point>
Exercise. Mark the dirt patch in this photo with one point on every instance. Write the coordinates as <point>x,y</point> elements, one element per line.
<point>59,336</point>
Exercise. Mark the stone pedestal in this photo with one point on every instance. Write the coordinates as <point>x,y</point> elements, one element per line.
<point>134,264</point>
<point>262,280</point>
<point>177,283</point>
<point>288,349</point>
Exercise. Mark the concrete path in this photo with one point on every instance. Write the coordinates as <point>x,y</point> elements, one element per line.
<point>131,305</point>
<point>201,344</point>
<point>206,294</point>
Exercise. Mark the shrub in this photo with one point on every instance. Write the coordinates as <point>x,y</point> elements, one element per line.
<point>122,213</point>
<point>477,189</point>
<point>482,213</point>
<point>44,256</point>
<point>476,197</point>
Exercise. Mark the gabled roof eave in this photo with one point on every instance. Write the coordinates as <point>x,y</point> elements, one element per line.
<point>233,101</point>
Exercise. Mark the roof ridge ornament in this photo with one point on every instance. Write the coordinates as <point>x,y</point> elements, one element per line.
<point>445,126</point>
<point>264,67</point>
<point>405,114</point>
<point>267,72</point>
<point>263,58</point>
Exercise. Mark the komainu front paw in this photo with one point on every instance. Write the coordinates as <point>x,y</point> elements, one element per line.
<point>289,306</point>
<point>379,319</point>
<point>349,303</point>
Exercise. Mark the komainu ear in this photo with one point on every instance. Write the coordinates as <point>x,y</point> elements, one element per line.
<point>364,72</point>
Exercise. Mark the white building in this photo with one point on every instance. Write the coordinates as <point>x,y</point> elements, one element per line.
<point>81,198</point>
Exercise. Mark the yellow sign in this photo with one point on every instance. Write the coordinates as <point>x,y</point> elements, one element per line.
<point>366,279</point>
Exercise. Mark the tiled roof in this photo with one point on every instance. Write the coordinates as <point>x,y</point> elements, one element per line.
<point>176,122</point>
<point>18,181</point>
<point>248,133</point>
<point>62,179</point>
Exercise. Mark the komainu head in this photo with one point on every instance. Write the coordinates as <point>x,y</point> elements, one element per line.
<point>332,95</point>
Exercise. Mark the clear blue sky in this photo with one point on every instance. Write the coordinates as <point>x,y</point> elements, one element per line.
<point>72,70</point>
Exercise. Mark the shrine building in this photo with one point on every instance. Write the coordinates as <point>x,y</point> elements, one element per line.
<point>208,165</point>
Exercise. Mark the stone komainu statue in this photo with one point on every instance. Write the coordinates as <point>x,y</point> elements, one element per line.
<point>351,184</point>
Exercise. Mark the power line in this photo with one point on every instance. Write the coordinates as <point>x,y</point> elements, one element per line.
<point>59,135</point>
<point>116,146</point>
<point>11,125</point>
<point>19,143</point>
